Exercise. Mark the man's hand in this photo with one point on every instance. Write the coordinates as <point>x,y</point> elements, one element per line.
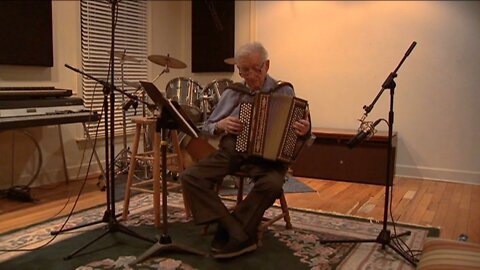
<point>230,125</point>
<point>302,126</point>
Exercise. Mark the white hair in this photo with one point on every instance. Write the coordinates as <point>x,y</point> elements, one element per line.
<point>250,48</point>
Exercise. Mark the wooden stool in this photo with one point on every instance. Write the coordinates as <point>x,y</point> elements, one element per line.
<point>174,163</point>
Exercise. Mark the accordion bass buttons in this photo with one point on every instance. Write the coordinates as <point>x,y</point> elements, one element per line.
<point>245,117</point>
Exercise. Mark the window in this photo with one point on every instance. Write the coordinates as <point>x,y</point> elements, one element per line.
<point>130,38</point>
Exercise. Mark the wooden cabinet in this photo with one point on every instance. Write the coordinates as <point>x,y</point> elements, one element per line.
<point>330,158</point>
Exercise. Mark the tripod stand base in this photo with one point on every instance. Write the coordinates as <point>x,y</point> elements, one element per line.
<point>112,228</point>
<point>165,244</point>
<point>105,218</point>
<point>383,238</point>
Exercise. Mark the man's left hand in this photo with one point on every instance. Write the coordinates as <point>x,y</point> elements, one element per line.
<point>301,127</point>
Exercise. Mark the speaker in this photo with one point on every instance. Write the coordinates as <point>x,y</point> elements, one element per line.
<point>213,35</point>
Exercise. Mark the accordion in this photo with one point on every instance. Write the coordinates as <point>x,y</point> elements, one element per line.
<point>268,131</point>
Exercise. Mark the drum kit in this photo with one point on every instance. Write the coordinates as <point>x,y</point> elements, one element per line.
<point>198,102</point>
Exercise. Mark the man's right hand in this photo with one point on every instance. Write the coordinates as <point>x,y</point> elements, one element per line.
<point>230,125</point>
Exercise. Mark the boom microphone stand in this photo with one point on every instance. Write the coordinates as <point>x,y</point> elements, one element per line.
<point>109,90</point>
<point>385,237</point>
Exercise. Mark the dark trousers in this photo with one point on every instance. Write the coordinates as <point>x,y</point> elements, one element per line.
<point>200,179</point>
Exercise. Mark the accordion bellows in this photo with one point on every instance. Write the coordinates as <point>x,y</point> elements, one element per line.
<point>268,131</point>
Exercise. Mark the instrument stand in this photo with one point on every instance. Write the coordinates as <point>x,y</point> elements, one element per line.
<point>109,216</point>
<point>122,160</point>
<point>385,237</point>
<point>165,243</point>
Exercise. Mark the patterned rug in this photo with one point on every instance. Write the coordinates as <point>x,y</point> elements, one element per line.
<point>298,248</point>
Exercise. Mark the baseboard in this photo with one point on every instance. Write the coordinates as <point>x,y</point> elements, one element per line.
<point>56,176</point>
<point>457,176</point>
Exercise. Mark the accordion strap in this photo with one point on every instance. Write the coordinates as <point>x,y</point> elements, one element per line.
<point>279,85</point>
<point>240,87</point>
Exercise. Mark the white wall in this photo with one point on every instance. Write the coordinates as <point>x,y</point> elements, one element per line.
<point>338,54</point>
<point>171,34</point>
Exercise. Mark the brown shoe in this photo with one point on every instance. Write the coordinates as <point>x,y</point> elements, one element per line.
<point>220,239</point>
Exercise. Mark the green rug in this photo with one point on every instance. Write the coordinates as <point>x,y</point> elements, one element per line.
<point>282,249</point>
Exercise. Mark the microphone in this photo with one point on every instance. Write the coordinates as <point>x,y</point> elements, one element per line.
<point>410,49</point>
<point>129,103</point>
<point>366,129</point>
<point>132,101</point>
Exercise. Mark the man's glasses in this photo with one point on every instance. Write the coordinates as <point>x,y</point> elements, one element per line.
<point>246,71</point>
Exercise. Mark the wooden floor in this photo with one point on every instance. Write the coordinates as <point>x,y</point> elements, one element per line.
<point>452,207</point>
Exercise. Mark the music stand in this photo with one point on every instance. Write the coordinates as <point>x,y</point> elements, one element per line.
<point>171,117</point>
<point>384,237</point>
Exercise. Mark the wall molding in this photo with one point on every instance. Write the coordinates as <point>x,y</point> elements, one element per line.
<point>448,175</point>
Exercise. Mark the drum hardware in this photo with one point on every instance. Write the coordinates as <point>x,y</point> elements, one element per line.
<point>213,91</point>
<point>122,160</point>
<point>165,70</point>
<point>205,101</point>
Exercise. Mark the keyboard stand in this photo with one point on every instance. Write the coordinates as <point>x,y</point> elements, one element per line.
<point>89,141</point>
<point>60,136</point>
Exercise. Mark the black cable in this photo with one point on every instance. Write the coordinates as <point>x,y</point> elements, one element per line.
<point>397,241</point>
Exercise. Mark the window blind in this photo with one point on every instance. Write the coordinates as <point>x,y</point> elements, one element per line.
<point>130,38</point>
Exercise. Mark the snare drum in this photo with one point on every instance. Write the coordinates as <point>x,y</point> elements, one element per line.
<point>187,93</point>
<point>213,91</point>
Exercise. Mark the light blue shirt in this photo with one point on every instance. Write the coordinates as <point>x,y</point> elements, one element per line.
<point>229,103</point>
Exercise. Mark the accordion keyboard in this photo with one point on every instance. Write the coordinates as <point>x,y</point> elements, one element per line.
<point>246,110</point>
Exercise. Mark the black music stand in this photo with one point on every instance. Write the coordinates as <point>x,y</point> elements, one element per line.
<point>109,89</point>
<point>172,117</point>
<point>384,238</point>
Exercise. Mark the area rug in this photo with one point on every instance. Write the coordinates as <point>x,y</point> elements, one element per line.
<point>229,186</point>
<point>298,248</point>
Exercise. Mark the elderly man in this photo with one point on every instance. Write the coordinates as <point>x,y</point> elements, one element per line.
<point>236,231</point>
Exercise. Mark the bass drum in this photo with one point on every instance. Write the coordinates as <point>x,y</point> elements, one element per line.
<point>187,93</point>
<point>212,92</point>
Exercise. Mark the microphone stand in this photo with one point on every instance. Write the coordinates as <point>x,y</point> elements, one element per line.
<point>109,216</point>
<point>384,238</point>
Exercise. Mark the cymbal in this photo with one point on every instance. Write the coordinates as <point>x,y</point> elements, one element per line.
<point>123,56</point>
<point>166,61</point>
<point>230,61</point>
